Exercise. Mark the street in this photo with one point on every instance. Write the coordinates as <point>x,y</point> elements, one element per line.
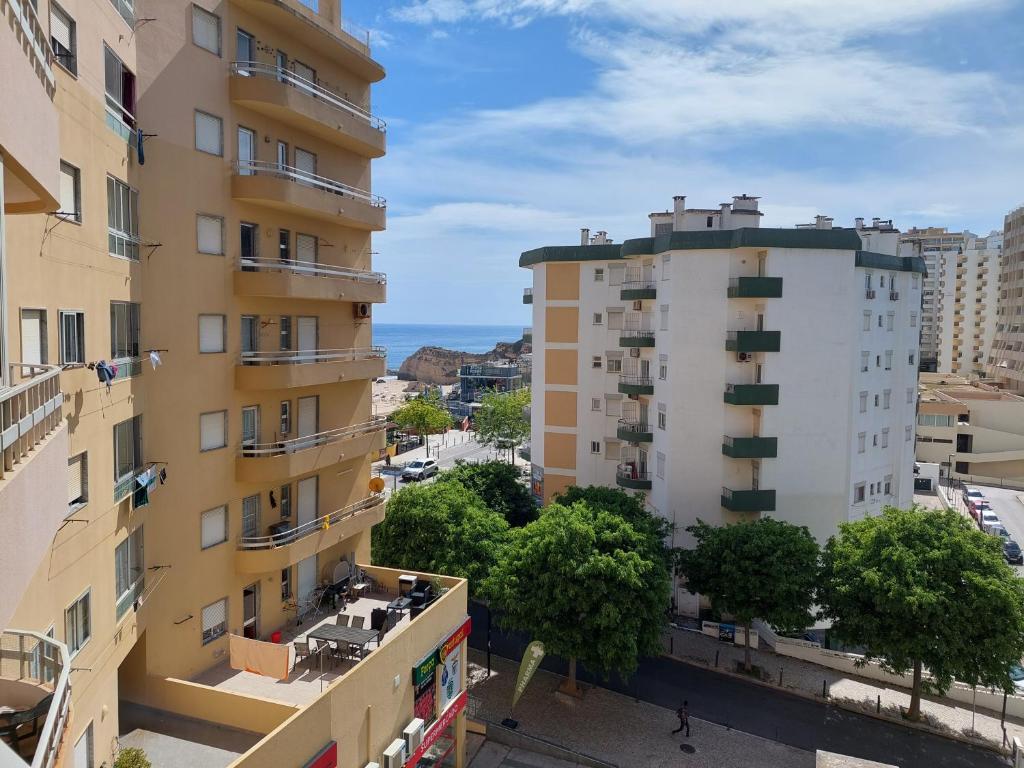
<point>1004,503</point>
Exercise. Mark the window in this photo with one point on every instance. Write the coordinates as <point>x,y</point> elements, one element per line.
<point>913,280</point>
<point>662,418</point>
<point>122,220</point>
<point>307,248</point>
<point>215,620</point>
<point>907,432</point>
<point>613,405</point>
<point>213,430</point>
<point>78,481</point>
<point>910,358</point>
<point>710,222</point>
<point>890,319</point>
<point>129,571</point>
<point>210,234</point>
<point>72,337</point>
<point>879,319</point>
<point>209,133</point>
<point>284,245</point>
<point>251,515</point>
<point>595,362</point>
<point>598,318</point>
<point>663,370</point>
<point>886,399</point>
<point>888,359</point>
<point>214,527</point>
<point>286,501</point>
<point>614,365</point>
<point>34,348</point>
<point>863,402</point>
<point>615,319</point>
<point>885,437</point>
<point>867,281</point>
<point>212,334</point>
<point>119,86</point>
<point>84,749</point>
<point>70,193</point>
<point>666,265</point>
<point>935,420</point>
<point>127,447</point>
<point>664,318</point>
<point>285,333</point>
<point>286,583</point>
<point>616,275</point>
<point>124,330</point>
<point>871,489</point>
<point>77,624</point>
<point>595,404</point>
<point>858,493</point>
<point>206,30</point>
<point>286,417</point>
<point>861,439</point>
<point>595,446</point>
<point>867,320</point>
<point>887,486</point>
<point>660,464</point>
<point>910,395</point>
<point>599,275</point>
<point>874,440</point>
<point>62,39</point>
<point>913,319</point>
<point>876,401</point>
<point>864,357</point>
<point>878,361</point>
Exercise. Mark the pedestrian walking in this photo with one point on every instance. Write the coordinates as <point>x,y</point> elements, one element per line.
<point>683,713</point>
<point>387,459</point>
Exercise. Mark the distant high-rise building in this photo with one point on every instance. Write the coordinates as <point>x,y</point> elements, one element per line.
<point>1006,360</point>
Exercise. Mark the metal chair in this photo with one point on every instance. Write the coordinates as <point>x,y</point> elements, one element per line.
<point>301,651</point>
<point>343,619</point>
<point>358,621</point>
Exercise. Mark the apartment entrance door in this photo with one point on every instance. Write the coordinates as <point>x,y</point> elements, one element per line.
<point>251,611</point>
<point>308,341</point>
<point>307,581</point>
<point>246,150</point>
<point>305,162</point>
<point>307,500</point>
<point>250,428</point>
<point>33,336</point>
<point>309,416</point>
<point>644,369</point>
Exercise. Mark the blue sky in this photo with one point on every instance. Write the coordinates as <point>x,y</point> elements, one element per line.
<point>513,123</point>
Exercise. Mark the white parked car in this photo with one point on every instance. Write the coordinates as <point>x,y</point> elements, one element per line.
<point>420,469</point>
<point>1017,675</point>
<point>988,519</point>
<point>972,494</point>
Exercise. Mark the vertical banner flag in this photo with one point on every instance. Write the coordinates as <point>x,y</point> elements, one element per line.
<point>531,660</point>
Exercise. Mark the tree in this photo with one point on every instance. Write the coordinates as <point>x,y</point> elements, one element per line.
<point>763,568</point>
<point>132,757</point>
<point>424,415</point>
<point>629,506</point>
<point>439,528</point>
<point>925,589</point>
<point>583,581</point>
<point>499,486</point>
<point>501,420</point>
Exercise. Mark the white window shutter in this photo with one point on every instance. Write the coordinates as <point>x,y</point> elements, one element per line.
<point>214,527</point>
<point>60,27</point>
<point>74,478</point>
<point>211,429</point>
<point>305,248</point>
<point>210,234</point>
<point>68,203</point>
<point>211,333</point>
<point>215,615</point>
<point>206,30</point>
<point>209,136</point>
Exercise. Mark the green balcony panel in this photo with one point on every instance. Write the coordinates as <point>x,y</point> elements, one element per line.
<point>638,291</point>
<point>748,501</point>
<point>752,394</point>
<point>636,339</point>
<point>753,341</point>
<point>636,385</point>
<point>634,432</point>
<point>625,477</point>
<point>755,288</point>
<point>750,447</point>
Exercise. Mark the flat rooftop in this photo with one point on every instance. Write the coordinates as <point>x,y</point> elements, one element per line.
<point>951,388</point>
<point>170,740</point>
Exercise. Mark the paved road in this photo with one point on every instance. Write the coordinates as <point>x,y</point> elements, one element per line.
<point>1005,504</point>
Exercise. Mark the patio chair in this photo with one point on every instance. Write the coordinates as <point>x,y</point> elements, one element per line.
<point>343,619</point>
<point>358,621</point>
<point>301,651</point>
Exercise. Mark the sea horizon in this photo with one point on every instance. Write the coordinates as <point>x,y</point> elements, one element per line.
<point>403,339</point>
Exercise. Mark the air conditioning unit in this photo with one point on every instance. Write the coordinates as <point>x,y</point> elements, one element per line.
<point>361,310</point>
<point>413,734</point>
<point>744,357</point>
<point>638,305</point>
<point>634,351</point>
<point>395,755</point>
<point>372,765</point>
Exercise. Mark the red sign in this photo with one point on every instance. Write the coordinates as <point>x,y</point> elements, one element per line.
<point>456,639</point>
<point>439,727</point>
<point>325,758</point>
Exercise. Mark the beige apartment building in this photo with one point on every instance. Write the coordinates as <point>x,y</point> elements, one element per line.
<point>1006,360</point>
<point>185,417</point>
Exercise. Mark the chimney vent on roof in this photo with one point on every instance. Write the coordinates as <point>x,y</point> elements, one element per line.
<point>585,236</point>
<point>859,222</point>
<point>678,207</point>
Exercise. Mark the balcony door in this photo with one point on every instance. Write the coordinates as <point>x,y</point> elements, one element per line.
<point>251,611</point>
<point>309,416</point>
<point>306,580</point>
<point>305,248</point>
<point>644,367</point>
<point>250,332</point>
<point>246,150</point>
<point>245,47</point>
<point>307,503</point>
<point>305,162</point>
<point>33,336</point>
<point>250,427</point>
<point>308,341</point>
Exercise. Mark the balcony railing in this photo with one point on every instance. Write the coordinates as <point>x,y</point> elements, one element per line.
<point>636,338</point>
<point>292,535</point>
<point>634,430</point>
<point>301,357</point>
<point>750,447</point>
<point>311,269</point>
<point>628,475</point>
<point>755,288</point>
<point>285,447</point>
<point>752,394</point>
<point>38,41</point>
<point>637,289</point>
<point>527,295</point>
<point>258,69</point>
<point>753,341</point>
<point>29,411</point>
<point>299,176</point>
<point>33,664</point>
<point>630,384</point>
<point>748,501</point>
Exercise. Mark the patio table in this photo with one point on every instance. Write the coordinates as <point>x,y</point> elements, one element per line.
<point>400,605</point>
<point>352,636</point>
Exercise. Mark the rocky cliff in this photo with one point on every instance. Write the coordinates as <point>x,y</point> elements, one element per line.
<point>436,365</point>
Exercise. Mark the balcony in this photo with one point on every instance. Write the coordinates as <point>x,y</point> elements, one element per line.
<point>528,335</point>
<point>630,384</point>
<point>753,341</point>
<point>748,501</point>
<point>750,447</point>
<point>752,394</point>
<point>527,295</point>
<point>283,95</point>
<point>29,412</point>
<point>35,683</point>
<point>636,338</point>
<point>293,190</point>
<point>288,279</point>
<point>636,290</point>
<point>634,431</point>
<point>284,548</point>
<point>308,368</point>
<point>628,475</point>
<point>755,288</point>
<point>270,462</point>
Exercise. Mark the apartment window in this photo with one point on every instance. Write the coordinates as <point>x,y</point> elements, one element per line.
<point>615,319</point>
<point>858,493</point>
<point>888,359</point>
<point>129,571</point>
<point>666,265</point>
<point>861,441</point>
<point>885,437</point>
<point>863,402</point>
<point>599,275</point>
<point>867,282</point>
<point>84,749</point>
<point>286,501</point>
<point>127,447</point>
<point>124,330</point>
<point>710,222</point>
<point>286,417</point>
<point>598,318</point>
<point>890,319</point>
<point>72,337</point>
<point>209,133</point>
<point>913,319</point>
<point>206,30</point>
<point>910,358</point>
<point>935,420</point>
<point>614,365</point>
<point>864,358</point>
<point>214,527</point>
<point>613,405</point>
<point>62,39</point>
<point>663,370</point>
<point>910,395</point>
<point>662,417</point>
<point>867,320</point>
<point>70,193</point>
<point>595,362</point>
<point>879,319</point>
<point>664,318</point>
<point>878,361</point>
<point>887,485</point>
<point>122,220</point>
<point>284,245</point>
<point>871,490</point>
<point>595,404</point>
<point>213,430</point>
<point>215,620</point>
<point>886,399</point>
<point>251,515</point>
<point>78,624</point>
<point>660,465</point>
<point>874,440</point>
<point>119,87</point>
<point>286,583</point>
<point>307,248</point>
<point>212,334</point>
<point>78,481</point>
<point>210,234</point>
<point>285,333</point>
<point>907,432</point>
<point>595,446</point>
<point>876,401</point>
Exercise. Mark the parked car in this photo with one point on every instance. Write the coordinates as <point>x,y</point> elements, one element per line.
<point>1014,556</point>
<point>420,469</point>
<point>999,530</point>
<point>988,519</point>
<point>971,493</point>
<point>977,506</point>
<point>1017,676</point>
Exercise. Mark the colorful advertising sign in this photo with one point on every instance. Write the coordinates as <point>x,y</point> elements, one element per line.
<point>425,700</point>
<point>425,669</point>
<point>531,661</point>
<point>451,680</point>
<point>439,728</point>
<point>455,639</point>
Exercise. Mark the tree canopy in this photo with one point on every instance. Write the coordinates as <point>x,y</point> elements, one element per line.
<point>424,415</point>
<point>501,420</point>
<point>498,485</point>
<point>763,568</point>
<point>440,528</point>
<point>925,588</point>
<point>585,582</point>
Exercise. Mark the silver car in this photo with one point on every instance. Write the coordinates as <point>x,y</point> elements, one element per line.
<point>420,469</point>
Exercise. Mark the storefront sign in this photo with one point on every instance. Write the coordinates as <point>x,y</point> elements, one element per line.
<point>531,660</point>
<point>425,669</point>
<point>439,728</point>
<point>455,639</point>
<point>451,679</point>
<point>425,700</point>
<point>325,758</point>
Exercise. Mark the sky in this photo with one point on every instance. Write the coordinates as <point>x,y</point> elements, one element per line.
<point>514,123</point>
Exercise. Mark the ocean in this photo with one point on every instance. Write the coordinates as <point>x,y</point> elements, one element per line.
<point>402,340</point>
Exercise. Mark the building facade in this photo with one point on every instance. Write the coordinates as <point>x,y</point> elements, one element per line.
<point>726,370</point>
<point>187,356</point>
<point>1006,361</point>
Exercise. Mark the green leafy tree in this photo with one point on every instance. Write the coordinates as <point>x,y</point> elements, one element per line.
<point>501,420</point>
<point>499,486</point>
<point>763,568</point>
<point>132,757</point>
<point>629,506</point>
<point>921,589</point>
<point>424,415</point>
<point>584,581</point>
<point>440,528</point>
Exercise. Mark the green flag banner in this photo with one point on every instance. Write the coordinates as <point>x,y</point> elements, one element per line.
<point>531,660</point>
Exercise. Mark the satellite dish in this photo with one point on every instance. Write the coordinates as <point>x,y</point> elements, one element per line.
<point>376,484</point>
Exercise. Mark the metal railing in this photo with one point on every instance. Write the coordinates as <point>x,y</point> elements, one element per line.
<point>299,357</point>
<point>128,484</point>
<point>636,333</point>
<point>639,285</point>
<point>311,269</point>
<point>282,75</point>
<point>38,41</point>
<point>292,535</point>
<point>35,659</point>
<point>628,471</point>
<point>285,447</point>
<point>360,34</point>
<point>636,381</point>
<point>634,425</point>
<point>29,411</point>
<point>280,171</point>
